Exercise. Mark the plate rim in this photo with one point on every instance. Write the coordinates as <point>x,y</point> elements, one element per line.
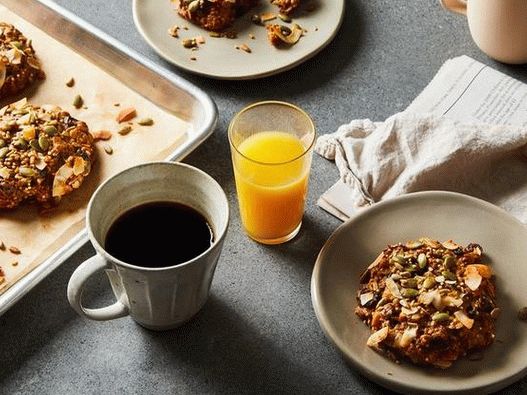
<point>248,76</point>
<point>322,318</point>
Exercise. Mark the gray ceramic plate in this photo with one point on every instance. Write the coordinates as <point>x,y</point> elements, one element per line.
<point>218,58</point>
<point>442,216</point>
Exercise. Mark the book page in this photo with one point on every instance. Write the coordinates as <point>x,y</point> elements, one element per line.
<point>467,90</point>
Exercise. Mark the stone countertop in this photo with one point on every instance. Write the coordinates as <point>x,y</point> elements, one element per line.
<point>258,332</point>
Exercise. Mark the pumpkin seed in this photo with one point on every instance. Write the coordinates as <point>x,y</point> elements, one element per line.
<point>3,152</point>
<point>398,259</point>
<point>27,171</point>
<point>20,144</point>
<point>449,275</point>
<point>125,130</point>
<point>17,45</point>
<point>439,317</point>
<point>429,282</point>
<point>409,282</point>
<point>449,262</point>
<point>422,260</point>
<point>411,268</point>
<point>34,144</point>
<point>146,122</point>
<point>409,292</point>
<point>43,142</point>
<point>193,6</point>
<point>78,102</point>
<point>15,250</point>
<point>285,18</point>
<point>413,245</point>
<point>189,43</point>
<point>50,130</point>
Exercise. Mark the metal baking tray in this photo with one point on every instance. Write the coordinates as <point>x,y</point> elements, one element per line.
<point>166,90</point>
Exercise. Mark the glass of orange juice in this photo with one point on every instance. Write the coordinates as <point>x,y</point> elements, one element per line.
<point>271,146</point>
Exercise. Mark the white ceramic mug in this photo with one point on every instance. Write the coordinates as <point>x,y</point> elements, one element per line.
<point>498,27</point>
<point>162,297</point>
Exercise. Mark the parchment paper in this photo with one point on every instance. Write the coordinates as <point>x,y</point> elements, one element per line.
<point>39,235</point>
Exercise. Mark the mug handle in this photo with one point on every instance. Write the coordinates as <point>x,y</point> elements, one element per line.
<point>459,6</point>
<point>76,286</point>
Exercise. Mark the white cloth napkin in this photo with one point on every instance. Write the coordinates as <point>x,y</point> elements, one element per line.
<point>413,152</point>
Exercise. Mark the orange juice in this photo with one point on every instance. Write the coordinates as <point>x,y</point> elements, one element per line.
<point>271,180</point>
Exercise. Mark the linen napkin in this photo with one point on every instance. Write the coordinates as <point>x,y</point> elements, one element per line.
<point>412,152</point>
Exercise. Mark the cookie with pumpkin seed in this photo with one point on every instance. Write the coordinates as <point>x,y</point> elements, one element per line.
<point>214,15</point>
<point>429,302</point>
<point>45,154</point>
<point>19,66</point>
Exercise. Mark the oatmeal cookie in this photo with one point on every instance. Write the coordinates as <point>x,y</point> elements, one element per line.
<point>44,154</point>
<point>429,302</point>
<point>214,15</point>
<point>287,7</point>
<point>19,65</point>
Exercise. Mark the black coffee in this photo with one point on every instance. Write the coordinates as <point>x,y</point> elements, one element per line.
<point>159,234</point>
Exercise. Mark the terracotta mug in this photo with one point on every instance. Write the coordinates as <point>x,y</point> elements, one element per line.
<point>155,297</point>
<point>498,27</point>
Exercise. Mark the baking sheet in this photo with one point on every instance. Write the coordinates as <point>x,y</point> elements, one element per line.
<point>41,236</point>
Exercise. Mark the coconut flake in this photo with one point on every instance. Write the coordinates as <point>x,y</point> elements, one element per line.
<point>40,163</point>
<point>464,319</point>
<point>78,166</point>
<point>60,182</point>
<point>378,337</point>
<point>427,298</point>
<point>408,335</point>
<point>450,301</point>
<point>484,270</point>
<point>376,261</point>
<point>450,245</point>
<point>472,278</point>
<point>393,288</point>
<point>365,298</point>
<point>409,311</point>
<point>18,105</point>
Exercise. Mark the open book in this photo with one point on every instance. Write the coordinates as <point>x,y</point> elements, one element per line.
<point>464,90</point>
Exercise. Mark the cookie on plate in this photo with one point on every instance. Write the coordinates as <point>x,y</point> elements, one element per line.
<point>19,66</point>
<point>287,7</point>
<point>429,302</point>
<point>45,154</point>
<point>214,15</point>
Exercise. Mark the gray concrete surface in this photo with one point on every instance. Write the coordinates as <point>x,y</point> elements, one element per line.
<point>258,332</point>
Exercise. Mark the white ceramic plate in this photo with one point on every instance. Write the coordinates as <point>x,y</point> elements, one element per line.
<point>441,216</point>
<point>218,57</point>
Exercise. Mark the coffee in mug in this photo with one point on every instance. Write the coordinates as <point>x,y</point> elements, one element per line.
<point>158,230</point>
<point>159,234</point>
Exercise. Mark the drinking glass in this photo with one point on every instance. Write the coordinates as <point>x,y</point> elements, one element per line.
<point>271,147</point>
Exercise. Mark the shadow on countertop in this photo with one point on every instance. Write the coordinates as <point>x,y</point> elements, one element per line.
<point>233,356</point>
